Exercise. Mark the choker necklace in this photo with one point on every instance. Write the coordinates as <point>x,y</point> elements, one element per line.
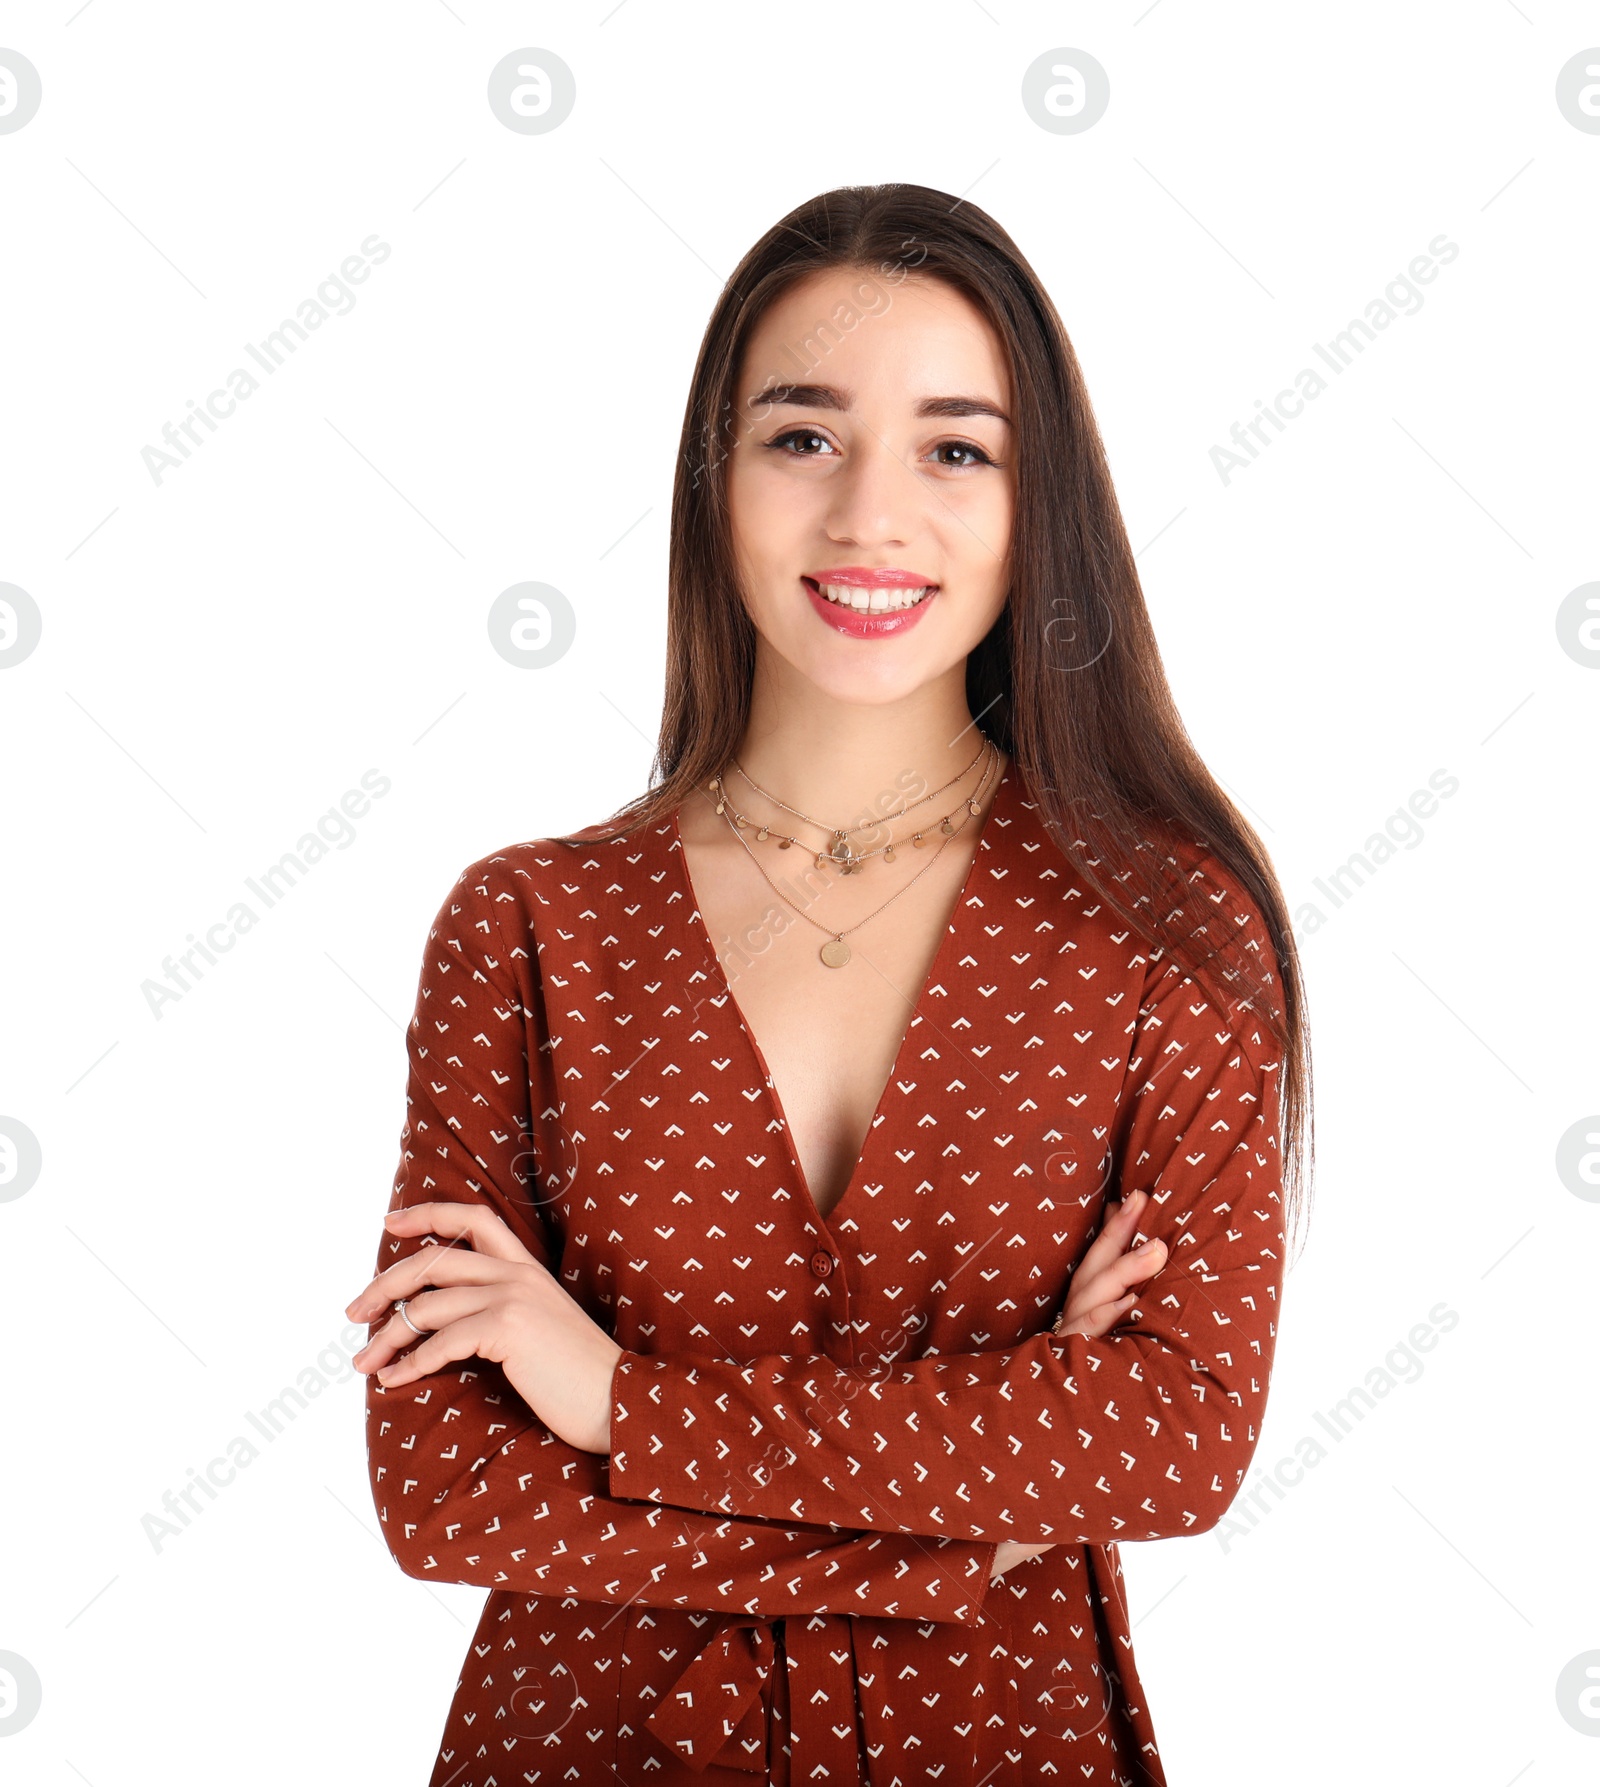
<point>840,852</point>
<point>835,953</point>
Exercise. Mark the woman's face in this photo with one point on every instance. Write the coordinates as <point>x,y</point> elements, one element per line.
<point>883,448</point>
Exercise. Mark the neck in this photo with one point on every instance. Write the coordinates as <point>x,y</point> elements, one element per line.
<point>846,764</point>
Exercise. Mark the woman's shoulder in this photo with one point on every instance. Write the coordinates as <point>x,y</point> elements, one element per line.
<point>1200,878</point>
<point>564,866</point>
<point>1227,967</point>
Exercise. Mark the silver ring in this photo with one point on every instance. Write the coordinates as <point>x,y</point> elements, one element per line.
<point>400,1310</point>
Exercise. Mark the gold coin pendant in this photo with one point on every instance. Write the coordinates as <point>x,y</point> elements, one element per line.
<point>835,952</point>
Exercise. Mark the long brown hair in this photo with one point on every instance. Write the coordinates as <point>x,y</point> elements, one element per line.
<point>1105,756</point>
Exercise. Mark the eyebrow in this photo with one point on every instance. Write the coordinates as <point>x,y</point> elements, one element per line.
<point>830,397</point>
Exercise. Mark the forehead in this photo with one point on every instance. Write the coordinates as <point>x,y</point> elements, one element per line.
<point>851,327</point>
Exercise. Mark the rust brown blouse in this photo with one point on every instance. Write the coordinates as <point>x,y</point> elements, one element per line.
<point>822,1429</point>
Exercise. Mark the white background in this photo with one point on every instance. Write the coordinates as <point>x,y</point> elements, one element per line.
<point>226,652</point>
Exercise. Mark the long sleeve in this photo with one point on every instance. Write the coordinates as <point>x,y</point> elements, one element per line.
<point>469,1485</point>
<point>1143,1433</point>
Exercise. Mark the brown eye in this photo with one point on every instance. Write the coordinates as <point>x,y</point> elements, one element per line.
<point>979,457</point>
<point>799,434</point>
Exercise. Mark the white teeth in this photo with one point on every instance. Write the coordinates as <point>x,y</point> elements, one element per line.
<point>873,601</point>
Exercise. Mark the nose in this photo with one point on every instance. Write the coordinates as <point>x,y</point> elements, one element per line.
<point>875,497</point>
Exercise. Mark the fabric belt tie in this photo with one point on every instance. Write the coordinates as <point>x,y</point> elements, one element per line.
<point>713,1713</point>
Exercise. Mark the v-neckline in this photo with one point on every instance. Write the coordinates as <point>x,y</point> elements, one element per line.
<point>948,941</point>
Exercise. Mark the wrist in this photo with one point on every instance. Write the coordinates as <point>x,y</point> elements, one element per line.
<point>603,1428</point>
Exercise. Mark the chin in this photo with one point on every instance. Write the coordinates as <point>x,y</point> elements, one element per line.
<point>859,678</point>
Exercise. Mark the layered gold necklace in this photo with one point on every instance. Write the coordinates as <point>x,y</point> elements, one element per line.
<point>842,854</point>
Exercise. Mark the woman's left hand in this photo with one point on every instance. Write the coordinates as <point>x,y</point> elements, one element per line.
<point>491,1300</point>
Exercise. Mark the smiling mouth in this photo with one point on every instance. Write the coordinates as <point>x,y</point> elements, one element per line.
<point>870,601</point>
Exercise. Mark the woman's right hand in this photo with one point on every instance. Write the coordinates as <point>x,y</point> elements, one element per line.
<point>1009,1552</point>
<point>1096,1302</point>
<point>1099,1297</point>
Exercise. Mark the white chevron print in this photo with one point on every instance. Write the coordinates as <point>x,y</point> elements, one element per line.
<point>822,1430</point>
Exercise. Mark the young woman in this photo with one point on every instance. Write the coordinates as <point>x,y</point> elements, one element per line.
<point>845,1194</point>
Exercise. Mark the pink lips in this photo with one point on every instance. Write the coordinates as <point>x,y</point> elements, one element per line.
<point>859,625</point>
<point>873,577</point>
